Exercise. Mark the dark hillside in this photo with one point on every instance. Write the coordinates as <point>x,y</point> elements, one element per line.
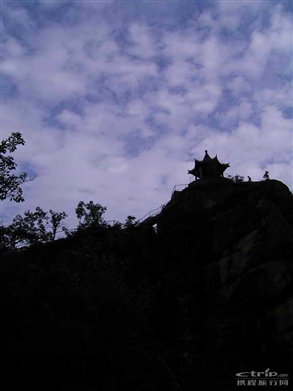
<point>207,296</point>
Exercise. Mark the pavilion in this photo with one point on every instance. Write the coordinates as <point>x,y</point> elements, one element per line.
<point>208,167</point>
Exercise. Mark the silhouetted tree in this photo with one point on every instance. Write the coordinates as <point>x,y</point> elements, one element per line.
<point>130,222</point>
<point>117,225</point>
<point>236,178</point>
<point>9,182</point>
<point>33,227</point>
<point>90,214</point>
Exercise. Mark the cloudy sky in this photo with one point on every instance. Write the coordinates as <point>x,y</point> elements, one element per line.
<point>116,98</point>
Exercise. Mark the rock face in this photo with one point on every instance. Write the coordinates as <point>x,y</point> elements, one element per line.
<point>234,242</point>
<point>209,295</point>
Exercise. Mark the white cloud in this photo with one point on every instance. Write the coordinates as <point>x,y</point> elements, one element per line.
<point>69,118</point>
<point>280,97</point>
<point>17,16</point>
<point>143,44</point>
<point>240,112</point>
<point>89,91</point>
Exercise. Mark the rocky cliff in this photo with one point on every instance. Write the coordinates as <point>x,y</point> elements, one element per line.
<point>209,295</point>
<point>232,245</point>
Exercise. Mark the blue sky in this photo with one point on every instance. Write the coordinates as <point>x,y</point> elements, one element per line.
<point>116,98</point>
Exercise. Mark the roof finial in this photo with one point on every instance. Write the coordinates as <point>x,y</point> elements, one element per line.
<point>206,151</point>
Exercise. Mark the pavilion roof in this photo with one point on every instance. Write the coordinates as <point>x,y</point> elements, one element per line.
<point>208,161</point>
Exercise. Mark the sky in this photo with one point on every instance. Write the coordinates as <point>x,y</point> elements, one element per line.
<point>115,99</point>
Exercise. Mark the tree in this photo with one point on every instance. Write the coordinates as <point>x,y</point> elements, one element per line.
<point>55,221</point>
<point>130,222</point>
<point>33,227</point>
<point>236,178</point>
<point>9,182</point>
<point>7,239</point>
<point>116,225</point>
<point>90,214</point>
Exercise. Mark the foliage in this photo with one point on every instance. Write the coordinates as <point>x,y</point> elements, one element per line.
<point>33,227</point>
<point>130,222</point>
<point>117,225</point>
<point>9,182</point>
<point>7,239</point>
<point>90,214</point>
<point>55,219</point>
<point>236,178</point>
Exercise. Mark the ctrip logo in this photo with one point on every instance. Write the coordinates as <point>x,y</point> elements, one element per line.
<point>265,378</point>
<point>266,373</point>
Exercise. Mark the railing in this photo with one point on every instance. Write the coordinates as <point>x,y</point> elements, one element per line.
<point>179,188</point>
<point>156,211</point>
<point>152,213</point>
